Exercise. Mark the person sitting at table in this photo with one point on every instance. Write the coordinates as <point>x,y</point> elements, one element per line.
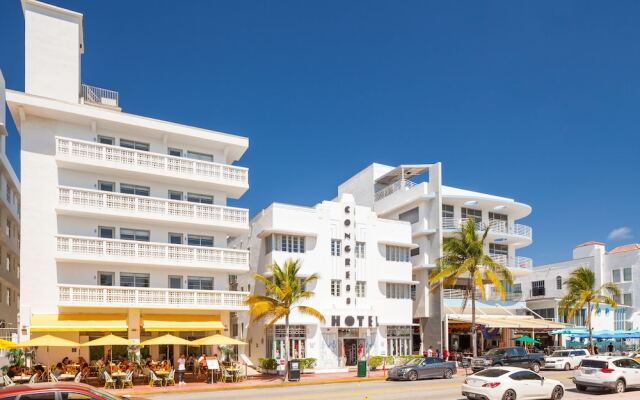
<point>12,371</point>
<point>81,360</point>
<point>58,370</point>
<point>38,373</point>
<point>66,361</point>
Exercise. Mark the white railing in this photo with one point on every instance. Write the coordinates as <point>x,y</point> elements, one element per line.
<point>96,95</point>
<point>114,296</point>
<point>517,262</point>
<point>402,184</point>
<point>89,199</point>
<point>495,226</point>
<point>136,251</point>
<point>121,157</point>
<point>456,294</point>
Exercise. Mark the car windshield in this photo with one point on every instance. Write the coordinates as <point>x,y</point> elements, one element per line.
<point>412,362</point>
<point>495,352</point>
<point>561,354</point>
<point>492,372</point>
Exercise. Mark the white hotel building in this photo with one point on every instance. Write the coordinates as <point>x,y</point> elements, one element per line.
<point>125,222</point>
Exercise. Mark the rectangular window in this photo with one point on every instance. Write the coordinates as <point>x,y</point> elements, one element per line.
<point>106,140</point>
<point>415,251</point>
<point>9,195</point>
<point>360,250</point>
<point>268,244</point>
<point>502,218</point>
<point>498,249</point>
<point>233,283</point>
<point>7,263</point>
<point>199,198</point>
<point>199,283</point>
<point>107,232</point>
<point>471,213</point>
<point>397,253</point>
<point>200,240</point>
<point>135,189</point>
<point>616,275</point>
<point>8,296</point>
<point>8,227</point>
<point>175,282</point>
<point>175,152</point>
<point>398,291</point>
<point>336,286</point>
<point>336,247</point>
<point>447,211</point>
<point>199,156</point>
<point>537,288</point>
<point>361,288</point>
<point>626,275</point>
<point>129,279</point>
<point>107,186</point>
<point>175,238</point>
<point>106,278</point>
<point>175,195</point>
<point>517,288</point>
<point>133,144</point>
<point>627,299</point>
<point>411,216</point>
<point>290,243</point>
<point>139,235</point>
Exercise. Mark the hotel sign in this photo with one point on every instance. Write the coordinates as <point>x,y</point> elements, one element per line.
<point>351,321</point>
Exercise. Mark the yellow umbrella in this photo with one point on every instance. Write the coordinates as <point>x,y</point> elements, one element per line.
<point>109,340</point>
<point>48,341</point>
<point>6,344</point>
<point>216,340</point>
<point>166,339</point>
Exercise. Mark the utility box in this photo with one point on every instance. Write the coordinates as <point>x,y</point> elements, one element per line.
<point>294,370</point>
<point>362,369</point>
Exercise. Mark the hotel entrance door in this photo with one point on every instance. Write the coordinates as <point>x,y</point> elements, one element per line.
<point>353,350</point>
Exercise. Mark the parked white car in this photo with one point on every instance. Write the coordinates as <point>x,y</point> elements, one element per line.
<point>565,359</point>
<point>607,372</point>
<point>510,383</point>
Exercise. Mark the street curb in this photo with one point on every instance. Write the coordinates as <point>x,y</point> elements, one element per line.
<point>227,388</point>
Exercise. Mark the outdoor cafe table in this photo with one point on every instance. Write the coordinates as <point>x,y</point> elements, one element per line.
<point>66,377</point>
<point>21,378</point>
<point>118,376</point>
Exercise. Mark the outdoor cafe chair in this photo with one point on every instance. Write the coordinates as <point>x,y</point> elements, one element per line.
<point>34,378</point>
<point>78,377</point>
<point>108,380</point>
<point>153,379</point>
<point>225,375</point>
<point>7,381</point>
<point>128,380</point>
<point>170,379</point>
<point>53,378</point>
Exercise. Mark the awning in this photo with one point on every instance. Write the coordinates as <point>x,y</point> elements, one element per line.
<point>177,323</point>
<point>78,322</point>
<point>512,321</point>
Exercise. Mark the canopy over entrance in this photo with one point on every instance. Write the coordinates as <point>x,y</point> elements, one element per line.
<point>510,321</point>
<point>78,322</point>
<point>177,323</point>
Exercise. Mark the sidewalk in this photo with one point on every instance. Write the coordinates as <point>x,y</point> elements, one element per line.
<point>253,382</point>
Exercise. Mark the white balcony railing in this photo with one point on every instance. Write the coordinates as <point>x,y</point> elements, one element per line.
<point>495,226</point>
<point>147,162</point>
<point>97,200</point>
<point>403,184</point>
<point>456,294</point>
<point>518,262</point>
<point>118,296</point>
<point>130,251</point>
<point>96,95</point>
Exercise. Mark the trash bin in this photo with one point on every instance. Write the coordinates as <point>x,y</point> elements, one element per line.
<point>294,370</point>
<point>362,369</point>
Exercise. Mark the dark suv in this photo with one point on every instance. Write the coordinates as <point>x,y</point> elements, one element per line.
<point>508,356</point>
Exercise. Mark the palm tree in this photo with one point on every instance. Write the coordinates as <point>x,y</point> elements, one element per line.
<point>283,293</point>
<point>464,256</point>
<point>581,292</point>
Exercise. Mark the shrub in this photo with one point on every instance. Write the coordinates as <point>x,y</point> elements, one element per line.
<point>377,361</point>
<point>267,363</point>
<point>307,363</point>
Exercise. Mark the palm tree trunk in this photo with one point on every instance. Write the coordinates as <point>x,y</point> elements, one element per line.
<point>286,349</point>
<point>589,327</point>
<point>474,342</point>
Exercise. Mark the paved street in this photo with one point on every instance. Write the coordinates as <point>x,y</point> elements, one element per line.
<point>377,390</point>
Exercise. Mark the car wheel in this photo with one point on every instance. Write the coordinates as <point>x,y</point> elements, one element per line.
<point>509,395</point>
<point>535,367</point>
<point>413,376</point>
<point>558,393</point>
<point>448,374</point>
<point>581,388</point>
<point>620,386</point>
<point>567,367</point>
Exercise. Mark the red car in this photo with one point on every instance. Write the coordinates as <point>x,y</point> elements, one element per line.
<point>57,391</point>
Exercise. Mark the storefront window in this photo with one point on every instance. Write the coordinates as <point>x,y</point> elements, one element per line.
<point>398,340</point>
<point>297,341</point>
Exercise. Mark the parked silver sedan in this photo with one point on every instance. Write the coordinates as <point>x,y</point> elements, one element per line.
<point>423,367</point>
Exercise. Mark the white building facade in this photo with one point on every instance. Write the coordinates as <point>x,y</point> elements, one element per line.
<point>364,286</point>
<point>125,217</point>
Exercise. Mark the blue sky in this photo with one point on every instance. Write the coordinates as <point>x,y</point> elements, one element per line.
<point>532,100</point>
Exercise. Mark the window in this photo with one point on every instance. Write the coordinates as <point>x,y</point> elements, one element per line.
<point>415,251</point>
<point>498,217</point>
<point>525,376</point>
<point>397,253</point>
<point>128,279</point>
<point>106,140</point>
<point>175,282</point>
<point>411,216</point>
<point>399,341</point>
<point>199,156</point>
<point>498,249</point>
<point>75,396</point>
<point>199,283</point>
<point>559,282</point>
<point>537,288</point>
<point>413,290</point>
<point>9,195</point>
<point>627,299</point>
<point>175,195</point>
<point>472,214</point>
<point>38,396</point>
<point>616,275</point>
<point>7,263</point>
<point>175,152</point>
<point>336,285</point>
<point>107,232</point>
<point>289,243</point>
<point>626,274</point>
<point>233,283</point>
<point>200,240</point>
<point>139,235</point>
<point>360,250</point>
<point>336,247</point>
<point>361,289</point>
<point>199,198</point>
<point>107,186</point>
<point>106,278</point>
<point>175,238</point>
<point>8,296</point>
<point>546,313</point>
<point>135,189</point>
<point>447,211</point>
<point>398,291</point>
<point>517,288</point>
<point>132,144</point>
<point>8,227</point>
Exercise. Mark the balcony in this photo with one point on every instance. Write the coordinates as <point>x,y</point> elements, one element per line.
<point>458,294</point>
<point>496,227</point>
<point>399,194</point>
<point>118,296</point>
<point>97,157</point>
<point>99,96</point>
<point>78,201</point>
<point>100,250</point>
<point>518,265</point>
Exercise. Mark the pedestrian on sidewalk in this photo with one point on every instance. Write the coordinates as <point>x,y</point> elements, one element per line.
<point>430,352</point>
<point>182,364</point>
